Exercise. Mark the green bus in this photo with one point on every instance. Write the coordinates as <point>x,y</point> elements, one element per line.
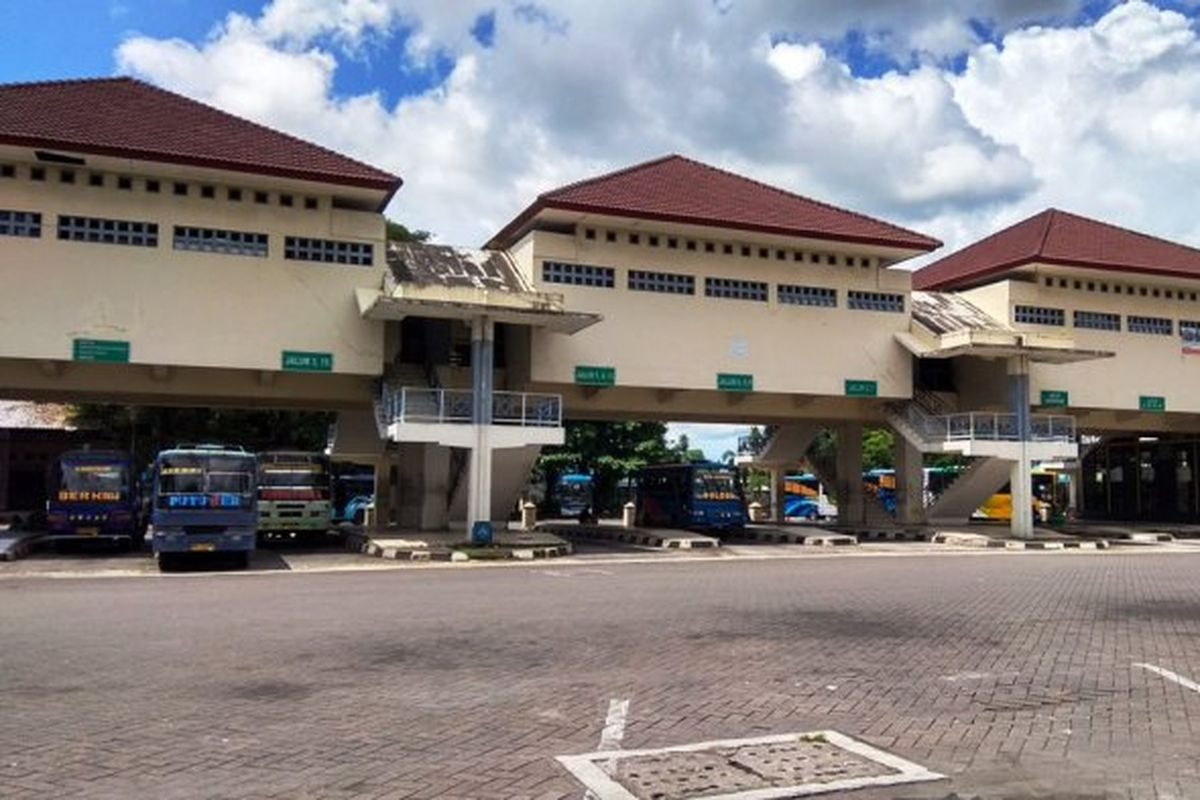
<point>294,494</point>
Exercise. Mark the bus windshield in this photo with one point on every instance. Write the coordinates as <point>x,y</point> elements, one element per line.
<point>80,482</point>
<point>193,474</point>
<point>297,472</point>
<point>711,484</point>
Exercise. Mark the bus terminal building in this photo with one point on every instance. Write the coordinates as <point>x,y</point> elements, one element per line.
<point>157,251</point>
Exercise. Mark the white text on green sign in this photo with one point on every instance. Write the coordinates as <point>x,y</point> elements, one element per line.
<point>855,388</point>
<point>1055,398</point>
<point>299,361</point>
<point>103,351</point>
<point>595,376</point>
<point>733,382</point>
<point>1152,403</point>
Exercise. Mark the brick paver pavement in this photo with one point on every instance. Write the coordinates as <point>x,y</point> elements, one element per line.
<point>1012,674</point>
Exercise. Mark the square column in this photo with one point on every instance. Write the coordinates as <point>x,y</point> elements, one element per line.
<point>1021,474</point>
<point>479,488</point>
<point>778,493</point>
<point>851,507</point>
<point>910,483</point>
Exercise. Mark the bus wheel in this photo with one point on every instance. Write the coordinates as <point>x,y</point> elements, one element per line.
<point>166,562</point>
<point>242,560</point>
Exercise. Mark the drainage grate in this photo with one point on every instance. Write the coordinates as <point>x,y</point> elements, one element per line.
<point>789,765</point>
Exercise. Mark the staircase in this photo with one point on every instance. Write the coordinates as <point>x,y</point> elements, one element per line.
<point>510,474</point>
<point>971,489</point>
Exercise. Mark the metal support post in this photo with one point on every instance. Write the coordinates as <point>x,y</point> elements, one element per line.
<point>479,499</point>
<point>1021,476</point>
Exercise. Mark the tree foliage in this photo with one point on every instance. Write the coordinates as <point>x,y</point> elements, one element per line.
<point>398,232</point>
<point>146,430</point>
<point>608,451</point>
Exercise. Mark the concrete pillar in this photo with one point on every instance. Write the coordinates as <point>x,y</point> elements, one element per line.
<point>383,490</point>
<point>479,498</point>
<point>5,454</point>
<point>851,508</point>
<point>424,473</point>
<point>395,490</point>
<point>1021,475</point>
<point>778,493</point>
<point>910,483</point>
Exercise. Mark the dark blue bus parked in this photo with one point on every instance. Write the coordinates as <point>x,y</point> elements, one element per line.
<point>705,496</point>
<point>205,501</point>
<point>575,495</point>
<point>92,496</point>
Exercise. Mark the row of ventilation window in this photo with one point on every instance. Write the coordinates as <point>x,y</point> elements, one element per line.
<point>727,248</point>
<point>206,191</point>
<point>202,240</point>
<point>1099,320</point>
<point>1117,288</point>
<point>727,288</point>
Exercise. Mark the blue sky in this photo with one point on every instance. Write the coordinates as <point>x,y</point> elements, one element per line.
<point>951,117</point>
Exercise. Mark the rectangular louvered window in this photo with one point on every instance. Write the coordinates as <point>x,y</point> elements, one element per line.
<point>807,296</point>
<point>230,243</point>
<point>732,289</point>
<point>1156,325</point>
<point>1097,320</point>
<point>665,282</point>
<point>875,301</point>
<point>328,251</point>
<point>1039,315</point>
<point>20,223</point>
<point>578,274</point>
<point>108,231</point>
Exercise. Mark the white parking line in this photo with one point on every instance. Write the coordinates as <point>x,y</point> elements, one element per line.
<point>611,736</point>
<point>1171,676</point>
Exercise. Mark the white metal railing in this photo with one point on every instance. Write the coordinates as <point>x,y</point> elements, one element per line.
<point>527,409</point>
<point>978,425</point>
<point>457,406</point>
<point>982,426</point>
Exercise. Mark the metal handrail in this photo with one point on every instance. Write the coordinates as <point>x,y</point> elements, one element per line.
<point>457,406</point>
<point>982,425</point>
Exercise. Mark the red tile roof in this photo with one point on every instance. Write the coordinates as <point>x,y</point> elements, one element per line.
<point>127,118</point>
<point>1063,239</point>
<point>680,190</point>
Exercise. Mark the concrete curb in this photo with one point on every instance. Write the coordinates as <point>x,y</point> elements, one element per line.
<point>690,541</point>
<point>775,536</point>
<point>420,551</point>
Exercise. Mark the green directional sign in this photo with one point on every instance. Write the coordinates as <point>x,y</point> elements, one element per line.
<point>595,376</point>
<point>100,351</point>
<point>1055,398</point>
<point>732,382</point>
<point>856,388</point>
<point>1152,403</point>
<point>300,361</point>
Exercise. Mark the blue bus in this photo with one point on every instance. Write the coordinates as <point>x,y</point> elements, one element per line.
<point>704,496</point>
<point>93,496</point>
<point>204,501</point>
<point>575,494</point>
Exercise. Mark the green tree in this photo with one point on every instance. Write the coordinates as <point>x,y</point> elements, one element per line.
<point>877,449</point>
<point>608,451</point>
<point>398,232</point>
<point>146,430</point>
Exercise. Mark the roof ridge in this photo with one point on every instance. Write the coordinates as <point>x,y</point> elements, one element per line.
<point>1128,231</point>
<point>549,194</point>
<point>67,81</point>
<point>797,196</point>
<point>1050,214</point>
<point>247,121</point>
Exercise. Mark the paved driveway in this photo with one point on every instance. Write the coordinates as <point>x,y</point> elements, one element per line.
<point>1013,674</point>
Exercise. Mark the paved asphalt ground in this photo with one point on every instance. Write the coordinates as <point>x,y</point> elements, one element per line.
<point>1011,673</point>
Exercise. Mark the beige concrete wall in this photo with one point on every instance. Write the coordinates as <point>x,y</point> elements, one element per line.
<point>1145,364</point>
<point>181,308</point>
<point>681,342</point>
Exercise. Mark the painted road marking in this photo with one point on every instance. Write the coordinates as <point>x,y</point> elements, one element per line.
<point>571,573</point>
<point>611,736</point>
<point>1171,676</point>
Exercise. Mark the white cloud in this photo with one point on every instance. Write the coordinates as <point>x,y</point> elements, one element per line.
<point>1094,117</point>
